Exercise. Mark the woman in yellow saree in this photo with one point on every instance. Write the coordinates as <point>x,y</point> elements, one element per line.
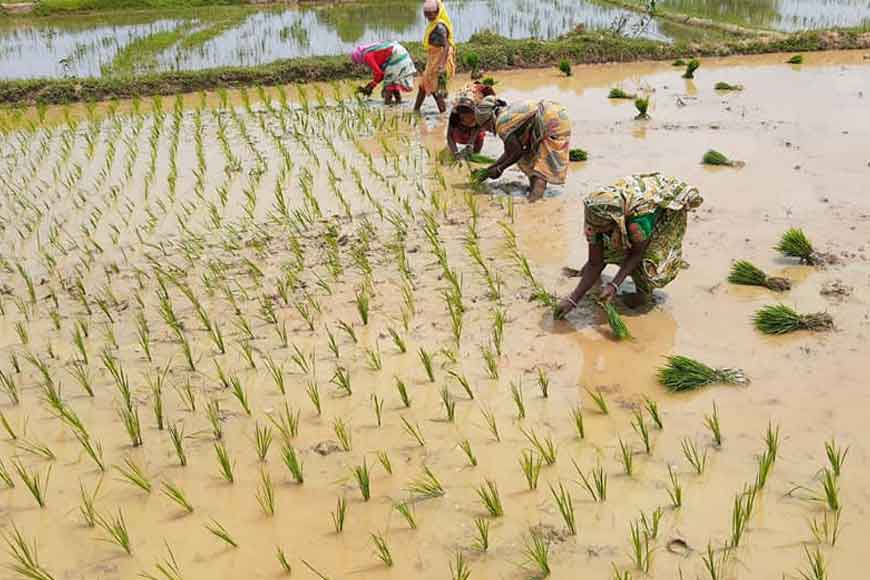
<point>440,48</point>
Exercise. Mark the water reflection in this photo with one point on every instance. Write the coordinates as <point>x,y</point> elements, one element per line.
<point>785,15</point>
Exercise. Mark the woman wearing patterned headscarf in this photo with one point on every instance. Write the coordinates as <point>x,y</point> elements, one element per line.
<point>462,128</point>
<point>536,136</point>
<point>440,47</point>
<point>637,223</point>
<point>390,63</point>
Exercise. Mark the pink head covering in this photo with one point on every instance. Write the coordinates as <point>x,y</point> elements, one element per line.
<point>359,52</point>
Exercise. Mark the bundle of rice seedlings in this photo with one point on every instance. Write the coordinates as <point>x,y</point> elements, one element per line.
<point>565,68</point>
<point>679,62</point>
<point>489,81</point>
<point>722,86</point>
<point>713,157</point>
<point>796,59</point>
<point>682,373</point>
<point>578,155</point>
<point>691,67</point>
<point>617,325</point>
<point>642,106</point>
<point>482,159</point>
<point>618,93</point>
<point>747,274</point>
<point>472,62</point>
<point>795,244</point>
<point>781,319</point>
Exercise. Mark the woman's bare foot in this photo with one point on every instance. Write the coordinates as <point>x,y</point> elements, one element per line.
<point>536,189</point>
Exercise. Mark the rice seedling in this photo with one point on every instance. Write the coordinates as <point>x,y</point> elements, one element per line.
<point>691,67</point>
<point>652,523</point>
<point>713,157</point>
<point>537,553</point>
<point>5,476</point>
<point>491,362</point>
<point>427,360</point>
<point>266,493</point>
<point>747,274</point>
<point>577,418</point>
<point>88,509</point>
<point>247,350</point>
<point>816,567</point>
<point>36,483</point>
<point>116,529</point>
<point>168,568</point>
<point>301,360</point>
<point>490,498</point>
<point>362,300</point>
<point>241,394</point>
<point>426,485</point>
<point>517,396</point>
<point>781,319</point>
<point>641,550</point>
<point>481,541</point>
<point>715,565</point>
<point>341,379</point>
<point>765,464</point>
<point>40,449</point>
<point>7,382</point>
<point>741,512</point>
<point>595,483</point>
<point>449,404</point>
<point>373,358</point>
<point>626,457</point>
<point>263,440</point>
<point>133,474</point>
<point>543,383</point>
<point>566,507</point>
<point>313,392</point>
<point>214,416</point>
<point>25,559</point>
<point>618,93</point>
<point>712,423</point>
<point>491,423</point>
<point>682,373</point>
<point>531,465</point>
<point>652,408</point>
<point>225,464</point>
<point>836,456</point>
<point>292,462</point>
<point>415,431</point>
<point>614,320</point>
<point>827,529</point>
<point>459,569</point>
<point>723,86</point>
<point>545,448</point>
<point>795,244</point>
<point>406,510</point>
<point>385,462</point>
<point>463,382</point>
<point>565,68</point>
<point>92,448</point>
<point>577,155</point>
<point>796,59</point>
<point>642,106</point>
<point>620,574</point>
<point>363,481</point>
<point>696,459</point>
<point>176,435</point>
<point>398,341</point>
<point>599,400</point>
<point>382,549</point>
<point>217,530</point>
<point>343,434</point>
<point>177,495</point>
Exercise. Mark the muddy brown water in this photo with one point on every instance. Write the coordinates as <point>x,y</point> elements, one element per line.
<point>802,132</point>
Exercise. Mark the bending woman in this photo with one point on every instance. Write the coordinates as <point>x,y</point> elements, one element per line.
<point>637,223</point>
<point>440,47</point>
<point>390,63</point>
<point>536,135</point>
<point>462,128</point>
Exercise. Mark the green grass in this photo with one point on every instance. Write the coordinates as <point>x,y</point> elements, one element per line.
<point>618,93</point>
<point>142,54</point>
<point>747,274</point>
<point>713,157</point>
<point>682,373</point>
<point>781,319</point>
<point>795,244</point>
<point>61,6</point>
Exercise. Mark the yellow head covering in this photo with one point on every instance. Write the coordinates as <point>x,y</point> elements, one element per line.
<point>442,18</point>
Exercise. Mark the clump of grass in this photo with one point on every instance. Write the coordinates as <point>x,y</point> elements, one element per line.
<point>382,549</point>
<point>652,408</point>
<point>217,530</point>
<point>723,86</point>
<point>266,493</point>
<point>406,510</point>
<point>537,553</point>
<point>747,274</point>
<point>545,448</point>
<point>642,106</point>
<point>599,400</point>
<point>614,320</point>
<point>566,507</point>
<point>517,396</point>
<point>465,445</point>
<point>565,68</point>
<point>697,459</point>
<point>363,481</point>
<point>339,516</point>
<point>836,456</point>
<point>459,569</point>
<point>691,67</point>
<point>491,424</point>
<point>134,474</point>
<point>481,541</point>
<point>712,423</point>
<point>25,557</point>
<point>116,528</point>
<point>293,463</point>
<point>224,462</point>
<point>640,427</point>
<point>827,529</point>
<point>36,483</point>
<point>682,373</point>
<point>343,434</point>
<point>618,93</point>
<point>816,568</point>
<point>679,62</point>
<point>795,244</point>
<point>577,416</point>
<point>626,457</point>
<point>713,157</point>
<point>577,155</point>
<point>674,488</point>
<point>177,495</point>
<point>414,431</point>
<point>796,59</point>
<point>426,359</point>
<point>781,319</point>
<point>263,440</point>
<point>427,485</point>
<point>595,483</point>
<point>641,550</point>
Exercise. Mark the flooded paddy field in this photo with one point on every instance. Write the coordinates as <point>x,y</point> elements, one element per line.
<point>286,279</point>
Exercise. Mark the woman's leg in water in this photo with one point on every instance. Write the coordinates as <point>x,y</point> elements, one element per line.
<point>537,185</point>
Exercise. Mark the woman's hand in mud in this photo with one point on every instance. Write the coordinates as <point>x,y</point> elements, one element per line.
<point>565,306</point>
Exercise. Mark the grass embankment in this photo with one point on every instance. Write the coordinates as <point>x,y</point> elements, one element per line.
<point>495,53</point>
<point>45,7</point>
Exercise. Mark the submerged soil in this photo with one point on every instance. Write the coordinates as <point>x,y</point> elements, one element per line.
<point>802,131</point>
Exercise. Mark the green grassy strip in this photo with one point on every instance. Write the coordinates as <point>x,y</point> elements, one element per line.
<point>142,54</point>
<point>46,7</point>
<point>214,29</point>
<point>495,52</point>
